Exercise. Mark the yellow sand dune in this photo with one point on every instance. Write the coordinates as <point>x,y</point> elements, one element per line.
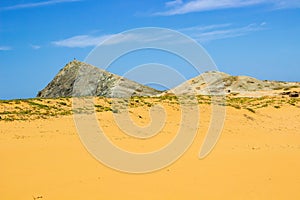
<point>257,156</point>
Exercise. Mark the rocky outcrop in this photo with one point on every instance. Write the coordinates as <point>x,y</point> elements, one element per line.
<point>81,79</point>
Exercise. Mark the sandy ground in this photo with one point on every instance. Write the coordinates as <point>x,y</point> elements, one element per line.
<point>257,157</point>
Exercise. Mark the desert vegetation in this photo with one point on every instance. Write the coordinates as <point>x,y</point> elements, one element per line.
<point>40,108</point>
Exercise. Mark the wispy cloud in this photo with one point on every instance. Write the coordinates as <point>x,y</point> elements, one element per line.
<point>178,7</point>
<point>36,4</point>
<point>221,31</point>
<point>198,33</point>
<point>81,41</point>
<point>35,47</point>
<point>204,28</point>
<point>5,48</point>
<point>286,4</point>
<point>173,3</point>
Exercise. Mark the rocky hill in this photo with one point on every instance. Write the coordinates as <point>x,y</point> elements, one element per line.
<point>92,81</point>
<point>214,82</point>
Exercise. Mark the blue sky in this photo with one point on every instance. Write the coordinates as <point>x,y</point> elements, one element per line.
<point>259,38</point>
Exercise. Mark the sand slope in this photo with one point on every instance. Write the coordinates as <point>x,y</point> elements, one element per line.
<point>257,157</point>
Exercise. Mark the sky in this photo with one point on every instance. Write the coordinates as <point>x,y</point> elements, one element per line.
<point>258,38</point>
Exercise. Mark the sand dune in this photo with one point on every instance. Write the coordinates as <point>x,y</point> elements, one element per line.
<point>257,156</point>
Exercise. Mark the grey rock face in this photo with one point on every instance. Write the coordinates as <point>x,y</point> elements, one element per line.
<point>81,79</point>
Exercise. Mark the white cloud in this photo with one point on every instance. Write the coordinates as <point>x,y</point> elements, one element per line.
<point>279,4</point>
<point>198,33</point>
<point>35,46</point>
<point>263,23</point>
<point>5,48</point>
<point>81,41</point>
<point>173,3</point>
<point>204,28</point>
<point>208,5</point>
<point>221,31</point>
<point>37,4</point>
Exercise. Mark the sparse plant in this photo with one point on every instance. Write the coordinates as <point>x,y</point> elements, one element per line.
<point>251,110</point>
<point>63,103</point>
